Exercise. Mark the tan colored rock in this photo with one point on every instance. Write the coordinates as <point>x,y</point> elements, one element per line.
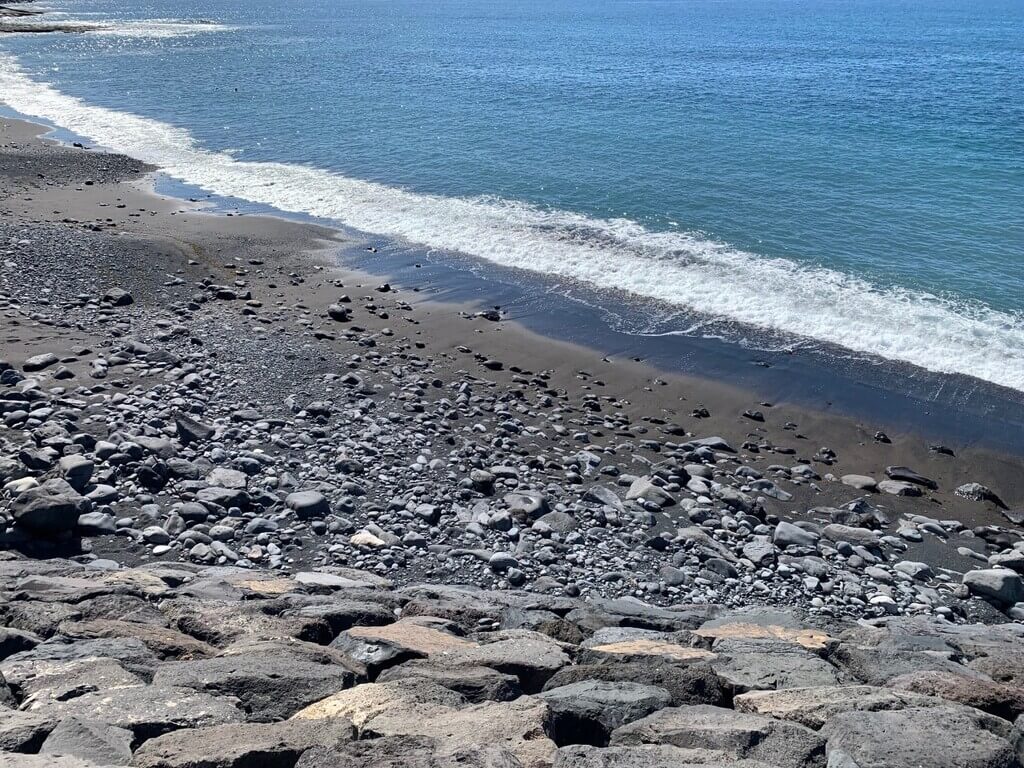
<point>812,707</point>
<point>415,637</point>
<point>808,638</point>
<point>364,702</point>
<point>224,582</point>
<point>369,650</point>
<point>417,707</point>
<point>519,726</point>
<point>267,587</point>
<point>644,647</point>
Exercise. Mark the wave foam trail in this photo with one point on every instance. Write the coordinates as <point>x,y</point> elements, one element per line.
<point>142,29</point>
<point>684,270</point>
<point>160,28</point>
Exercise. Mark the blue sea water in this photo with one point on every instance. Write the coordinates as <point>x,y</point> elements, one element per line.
<point>840,172</point>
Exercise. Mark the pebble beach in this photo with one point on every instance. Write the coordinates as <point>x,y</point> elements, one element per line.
<point>458,542</point>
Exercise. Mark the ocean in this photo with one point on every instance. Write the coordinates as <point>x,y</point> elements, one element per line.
<point>836,175</point>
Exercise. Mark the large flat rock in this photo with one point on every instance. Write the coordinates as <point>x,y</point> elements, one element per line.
<point>813,707</point>
<point>267,745</point>
<point>765,664</point>
<point>519,727</point>
<point>147,710</point>
<point>43,680</point>
<point>685,683</point>
<point>24,731</point>
<point>165,642</point>
<point>374,649</point>
<point>475,683</point>
<point>408,752</point>
<point>268,687</point>
<point>364,702</point>
<point>999,699</point>
<point>588,711</point>
<point>731,734</point>
<point>937,737</point>
<point>647,756</point>
<point>101,743</point>
<point>531,659</point>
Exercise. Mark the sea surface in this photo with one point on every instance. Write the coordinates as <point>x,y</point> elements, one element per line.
<point>843,177</point>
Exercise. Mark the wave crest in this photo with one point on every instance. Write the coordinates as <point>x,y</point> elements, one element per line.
<point>938,333</point>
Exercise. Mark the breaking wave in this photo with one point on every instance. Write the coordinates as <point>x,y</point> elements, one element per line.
<point>687,270</point>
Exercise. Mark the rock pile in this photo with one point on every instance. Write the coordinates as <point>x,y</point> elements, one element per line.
<point>178,665</point>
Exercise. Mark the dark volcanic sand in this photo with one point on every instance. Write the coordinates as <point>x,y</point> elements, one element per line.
<point>91,223</point>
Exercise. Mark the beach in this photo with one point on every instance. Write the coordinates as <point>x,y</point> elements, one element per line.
<point>278,493</point>
<point>256,313</point>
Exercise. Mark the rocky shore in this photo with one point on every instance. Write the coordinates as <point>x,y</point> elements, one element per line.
<point>243,492</point>
<point>177,665</point>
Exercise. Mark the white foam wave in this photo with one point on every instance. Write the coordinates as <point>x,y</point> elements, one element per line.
<point>140,29</point>
<point>160,28</point>
<point>683,269</point>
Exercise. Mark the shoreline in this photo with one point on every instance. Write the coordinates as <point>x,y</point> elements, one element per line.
<point>881,394</point>
<point>261,324</point>
<point>895,397</point>
<point>922,331</point>
<point>877,393</point>
<point>895,402</point>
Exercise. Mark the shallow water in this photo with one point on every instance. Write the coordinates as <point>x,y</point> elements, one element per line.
<point>785,174</point>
